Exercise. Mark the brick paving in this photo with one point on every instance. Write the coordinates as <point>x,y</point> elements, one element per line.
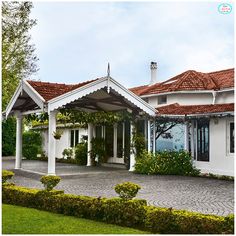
<point>204,195</point>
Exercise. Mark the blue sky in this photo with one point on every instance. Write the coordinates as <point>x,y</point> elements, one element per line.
<point>75,40</point>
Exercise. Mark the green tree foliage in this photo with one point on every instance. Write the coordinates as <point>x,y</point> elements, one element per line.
<point>8,137</point>
<point>18,57</point>
<point>32,144</point>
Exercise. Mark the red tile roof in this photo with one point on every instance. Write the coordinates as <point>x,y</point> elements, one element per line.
<point>138,90</point>
<point>176,109</point>
<point>51,90</point>
<point>190,80</point>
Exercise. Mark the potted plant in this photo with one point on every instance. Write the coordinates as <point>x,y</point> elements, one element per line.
<point>57,134</point>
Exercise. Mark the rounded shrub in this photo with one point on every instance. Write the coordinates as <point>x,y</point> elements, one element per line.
<point>81,153</point>
<point>6,175</point>
<point>127,190</point>
<point>50,181</point>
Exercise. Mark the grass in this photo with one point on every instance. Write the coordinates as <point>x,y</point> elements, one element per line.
<point>22,220</point>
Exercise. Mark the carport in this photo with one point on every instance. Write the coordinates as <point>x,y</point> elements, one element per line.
<point>102,94</point>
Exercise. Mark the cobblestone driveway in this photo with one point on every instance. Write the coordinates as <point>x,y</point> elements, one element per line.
<point>191,193</point>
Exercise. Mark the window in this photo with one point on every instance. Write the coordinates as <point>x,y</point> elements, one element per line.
<point>74,137</point>
<point>162,99</point>
<point>231,138</point>
<point>203,140</point>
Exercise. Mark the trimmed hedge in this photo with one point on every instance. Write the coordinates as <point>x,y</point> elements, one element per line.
<point>133,213</point>
<point>6,175</point>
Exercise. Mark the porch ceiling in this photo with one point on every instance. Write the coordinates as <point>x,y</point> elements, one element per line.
<point>101,100</point>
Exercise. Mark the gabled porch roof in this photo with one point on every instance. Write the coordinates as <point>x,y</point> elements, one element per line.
<point>101,94</point>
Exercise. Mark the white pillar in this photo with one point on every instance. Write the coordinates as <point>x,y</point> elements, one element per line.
<point>51,143</point>
<point>90,136</point>
<point>154,137</point>
<point>149,135</point>
<point>132,151</point>
<point>186,136</point>
<point>123,140</point>
<point>192,138</point>
<point>18,160</point>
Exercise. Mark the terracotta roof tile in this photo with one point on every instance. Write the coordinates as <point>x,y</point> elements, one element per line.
<point>51,90</point>
<point>138,90</point>
<point>190,80</point>
<point>176,109</point>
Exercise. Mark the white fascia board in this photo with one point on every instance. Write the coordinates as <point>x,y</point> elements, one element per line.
<point>177,92</point>
<point>133,98</point>
<point>198,115</point>
<point>75,94</point>
<point>37,98</point>
<point>13,100</point>
<point>225,90</point>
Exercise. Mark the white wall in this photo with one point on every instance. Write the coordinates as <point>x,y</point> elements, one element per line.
<point>190,99</point>
<point>221,162</point>
<point>225,97</point>
<point>63,142</point>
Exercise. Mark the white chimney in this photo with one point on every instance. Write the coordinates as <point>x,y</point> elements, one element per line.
<point>153,68</point>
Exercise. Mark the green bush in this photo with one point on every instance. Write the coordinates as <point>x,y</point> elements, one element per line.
<point>139,144</point>
<point>81,153</point>
<point>133,213</point>
<point>68,153</point>
<point>115,210</point>
<point>8,136</point>
<point>6,175</point>
<point>50,181</point>
<point>166,163</point>
<point>99,149</point>
<point>127,190</point>
<point>32,144</point>
<point>168,221</point>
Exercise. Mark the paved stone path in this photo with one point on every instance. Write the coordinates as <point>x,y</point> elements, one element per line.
<point>204,195</point>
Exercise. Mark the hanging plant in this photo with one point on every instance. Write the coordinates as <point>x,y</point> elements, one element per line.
<point>57,134</point>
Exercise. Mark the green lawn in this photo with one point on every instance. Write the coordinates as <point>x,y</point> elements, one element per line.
<point>22,220</point>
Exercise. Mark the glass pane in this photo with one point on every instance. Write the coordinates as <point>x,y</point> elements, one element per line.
<point>203,140</point>
<point>119,139</point>
<point>232,137</point>
<point>76,137</point>
<point>72,138</point>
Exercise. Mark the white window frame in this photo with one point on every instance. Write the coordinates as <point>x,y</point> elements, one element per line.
<point>231,154</point>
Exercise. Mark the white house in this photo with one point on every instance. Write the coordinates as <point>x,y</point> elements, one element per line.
<point>204,101</point>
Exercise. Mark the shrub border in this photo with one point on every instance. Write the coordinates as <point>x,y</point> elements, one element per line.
<point>133,213</point>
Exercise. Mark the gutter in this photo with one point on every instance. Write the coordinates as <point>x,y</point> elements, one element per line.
<point>187,92</point>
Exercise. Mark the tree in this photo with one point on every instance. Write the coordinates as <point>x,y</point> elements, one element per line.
<point>18,57</point>
<point>18,60</point>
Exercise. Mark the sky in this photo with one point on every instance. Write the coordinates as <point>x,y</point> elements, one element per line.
<point>76,40</point>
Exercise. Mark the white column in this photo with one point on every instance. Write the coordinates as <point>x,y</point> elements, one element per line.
<point>51,143</point>
<point>132,151</point>
<point>149,135</point>
<point>18,160</point>
<point>186,136</point>
<point>192,138</point>
<point>115,140</point>
<point>123,140</point>
<point>154,137</point>
<point>90,136</point>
